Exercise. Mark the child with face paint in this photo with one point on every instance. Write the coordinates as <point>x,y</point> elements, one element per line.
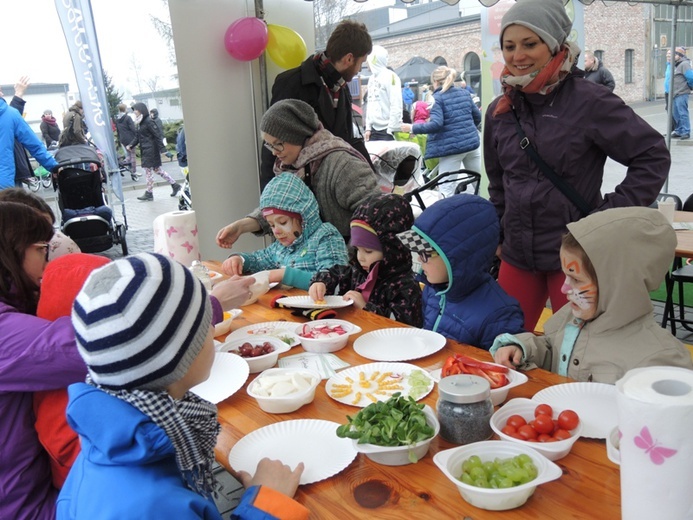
<point>304,244</point>
<point>611,260</point>
<point>379,277</point>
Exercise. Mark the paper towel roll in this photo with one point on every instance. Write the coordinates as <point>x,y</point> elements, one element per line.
<point>655,418</point>
<point>175,236</point>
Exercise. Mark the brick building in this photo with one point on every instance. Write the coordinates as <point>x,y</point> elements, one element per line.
<point>631,40</point>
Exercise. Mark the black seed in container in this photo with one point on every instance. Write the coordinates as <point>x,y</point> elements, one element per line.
<point>464,409</point>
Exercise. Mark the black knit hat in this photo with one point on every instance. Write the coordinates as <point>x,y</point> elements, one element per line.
<point>291,121</point>
<point>140,322</point>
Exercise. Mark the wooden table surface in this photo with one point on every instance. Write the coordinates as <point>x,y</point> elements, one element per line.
<point>589,487</point>
<point>684,245</point>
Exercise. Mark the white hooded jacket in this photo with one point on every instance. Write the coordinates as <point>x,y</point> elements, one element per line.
<point>384,94</point>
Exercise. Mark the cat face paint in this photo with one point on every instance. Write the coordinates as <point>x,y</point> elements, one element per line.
<point>579,288</point>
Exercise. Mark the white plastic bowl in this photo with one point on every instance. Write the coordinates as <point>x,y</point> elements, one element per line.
<point>525,408</point>
<point>450,463</point>
<point>288,403</point>
<point>499,395</point>
<point>259,363</point>
<point>399,455</point>
<point>223,327</point>
<point>324,345</point>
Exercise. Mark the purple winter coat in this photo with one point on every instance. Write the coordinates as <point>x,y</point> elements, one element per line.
<point>35,354</point>
<point>574,129</point>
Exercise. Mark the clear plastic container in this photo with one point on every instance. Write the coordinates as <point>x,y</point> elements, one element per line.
<point>464,409</point>
<point>200,271</point>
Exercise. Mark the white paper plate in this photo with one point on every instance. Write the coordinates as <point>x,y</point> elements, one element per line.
<point>311,441</point>
<point>306,302</point>
<point>283,330</point>
<point>398,344</point>
<point>229,374</point>
<point>595,403</point>
<point>354,374</point>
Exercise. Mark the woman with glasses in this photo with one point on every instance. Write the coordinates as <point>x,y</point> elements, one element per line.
<point>338,175</point>
<point>455,239</point>
<point>35,355</point>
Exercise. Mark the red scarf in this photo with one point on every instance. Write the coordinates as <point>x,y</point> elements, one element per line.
<point>50,120</point>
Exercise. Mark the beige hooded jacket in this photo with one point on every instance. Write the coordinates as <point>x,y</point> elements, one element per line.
<point>631,250</point>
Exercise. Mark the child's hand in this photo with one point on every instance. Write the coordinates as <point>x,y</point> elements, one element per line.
<point>357,298</point>
<point>233,266</point>
<point>509,356</point>
<point>317,291</point>
<point>274,474</point>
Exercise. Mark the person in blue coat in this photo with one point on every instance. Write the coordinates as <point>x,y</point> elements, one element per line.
<point>456,239</point>
<point>143,326</point>
<point>13,126</point>
<point>452,128</point>
<point>304,244</point>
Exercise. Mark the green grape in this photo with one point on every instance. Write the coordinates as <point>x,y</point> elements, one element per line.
<point>467,479</point>
<point>505,483</point>
<point>489,467</point>
<point>532,471</point>
<point>482,483</point>
<point>524,459</point>
<point>499,473</point>
<point>477,472</point>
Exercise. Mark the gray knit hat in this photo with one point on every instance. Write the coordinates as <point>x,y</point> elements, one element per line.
<point>547,18</point>
<point>291,121</point>
<point>140,322</point>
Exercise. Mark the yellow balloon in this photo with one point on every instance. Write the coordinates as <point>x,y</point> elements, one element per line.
<point>285,46</point>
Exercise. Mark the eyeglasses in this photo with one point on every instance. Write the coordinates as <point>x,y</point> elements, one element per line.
<point>44,245</point>
<point>425,256</point>
<point>279,147</point>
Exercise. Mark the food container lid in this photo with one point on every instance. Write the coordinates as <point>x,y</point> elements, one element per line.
<point>464,388</point>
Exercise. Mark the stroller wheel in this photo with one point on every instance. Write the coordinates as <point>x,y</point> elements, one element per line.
<point>120,238</point>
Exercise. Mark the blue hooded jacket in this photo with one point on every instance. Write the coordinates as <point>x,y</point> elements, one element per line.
<point>127,468</point>
<point>472,308</point>
<point>319,247</point>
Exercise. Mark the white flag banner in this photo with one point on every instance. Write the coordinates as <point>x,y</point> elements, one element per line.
<point>78,25</point>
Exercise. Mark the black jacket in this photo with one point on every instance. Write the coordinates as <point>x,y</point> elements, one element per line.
<point>22,165</point>
<point>126,129</point>
<point>601,76</point>
<point>150,141</point>
<point>304,83</point>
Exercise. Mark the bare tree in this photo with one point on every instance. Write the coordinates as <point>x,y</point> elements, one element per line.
<point>153,83</point>
<point>327,14</point>
<point>137,71</point>
<point>165,30</point>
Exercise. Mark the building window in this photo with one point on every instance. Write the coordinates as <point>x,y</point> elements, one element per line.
<point>174,102</point>
<point>628,69</point>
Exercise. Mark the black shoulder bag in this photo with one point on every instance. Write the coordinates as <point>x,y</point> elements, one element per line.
<point>557,181</point>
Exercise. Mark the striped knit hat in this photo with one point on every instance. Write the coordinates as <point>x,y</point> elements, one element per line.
<point>140,322</point>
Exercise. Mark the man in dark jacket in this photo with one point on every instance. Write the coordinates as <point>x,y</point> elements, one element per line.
<point>322,82</point>
<point>127,132</point>
<point>596,72</point>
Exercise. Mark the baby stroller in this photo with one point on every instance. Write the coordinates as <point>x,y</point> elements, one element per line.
<point>397,165</point>
<point>85,215</point>
<point>184,199</point>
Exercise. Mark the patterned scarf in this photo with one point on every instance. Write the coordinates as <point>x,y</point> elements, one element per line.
<point>191,424</point>
<point>331,78</point>
<point>542,81</point>
<point>368,284</point>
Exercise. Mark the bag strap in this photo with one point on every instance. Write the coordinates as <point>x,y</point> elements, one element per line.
<point>557,181</point>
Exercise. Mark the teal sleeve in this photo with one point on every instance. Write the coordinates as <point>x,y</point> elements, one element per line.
<point>507,339</point>
<point>297,278</point>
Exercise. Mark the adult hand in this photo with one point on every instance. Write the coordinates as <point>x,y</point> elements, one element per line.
<point>233,266</point>
<point>233,293</point>
<point>509,356</point>
<point>317,291</point>
<point>21,86</point>
<point>228,235</point>
<point>357,298</point>
<point>273,474</point>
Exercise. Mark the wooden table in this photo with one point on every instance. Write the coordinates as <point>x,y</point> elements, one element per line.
<point>589,487</point>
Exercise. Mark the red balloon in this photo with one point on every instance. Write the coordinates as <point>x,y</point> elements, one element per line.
<point>246,38</point>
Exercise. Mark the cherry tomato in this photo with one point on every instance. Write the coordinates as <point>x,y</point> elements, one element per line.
<point>516,421</point>
<point>561,435</point>
<point>543,424</point>
<point>527,432</point>
<point>568,420</point>
<point>543,409</point>
<point>544,437</point>
<point>509,430</point>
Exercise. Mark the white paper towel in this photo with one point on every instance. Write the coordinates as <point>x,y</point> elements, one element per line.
<point>175,236</point>
<point>655,418</point>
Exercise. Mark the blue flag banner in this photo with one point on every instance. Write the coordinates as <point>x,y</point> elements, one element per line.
<point>78,25</point>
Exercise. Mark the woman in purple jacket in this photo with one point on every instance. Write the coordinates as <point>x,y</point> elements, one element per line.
<point>573,125</point>
<point>35,354</point>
